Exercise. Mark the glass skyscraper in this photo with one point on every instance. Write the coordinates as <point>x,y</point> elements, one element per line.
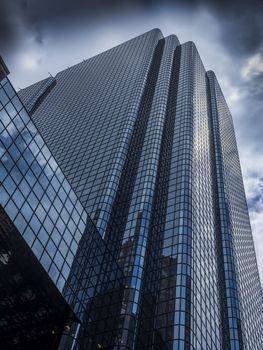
<point>120,180</point>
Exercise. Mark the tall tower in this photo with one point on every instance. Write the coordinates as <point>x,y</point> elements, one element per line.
<point>145,141</point>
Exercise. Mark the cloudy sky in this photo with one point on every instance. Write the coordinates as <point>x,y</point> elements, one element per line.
<point>42,36</point>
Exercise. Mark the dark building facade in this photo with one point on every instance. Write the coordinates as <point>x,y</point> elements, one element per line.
<point>121,174</point>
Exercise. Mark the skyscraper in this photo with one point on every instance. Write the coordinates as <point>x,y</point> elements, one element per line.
<point>140,217</point>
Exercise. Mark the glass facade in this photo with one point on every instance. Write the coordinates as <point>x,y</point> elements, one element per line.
<point>141,221</point>
<point>33,313</point>
<point>243,297</point>
<point>45,211</point>
<point>35,193</point>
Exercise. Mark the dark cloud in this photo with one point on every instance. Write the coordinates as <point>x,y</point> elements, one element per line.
<point>242,25</point>
<point>253,202</point>
<point>241,20</point>
<point>17,19</point>
<point>250,115</point>
<point>7,29</point>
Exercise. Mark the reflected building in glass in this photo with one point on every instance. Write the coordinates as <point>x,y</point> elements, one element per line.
<point>120,178</point>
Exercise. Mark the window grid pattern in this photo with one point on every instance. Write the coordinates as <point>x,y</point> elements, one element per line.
<point>123,198</point>
<point>206,317</point>
<point>137,228</point>
<point>175,283</point>
<point>95,281</point>
<point>32,95</point>
<point>27,94</point>
<point>187,296</point>
<point>156,321</point>
<point>34,191</point>
<point>234,209</point>
<point>97,103</point>
<point>232,336</point>
<point>41,203</point>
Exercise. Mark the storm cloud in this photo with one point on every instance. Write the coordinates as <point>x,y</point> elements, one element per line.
<point>241,20</point>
